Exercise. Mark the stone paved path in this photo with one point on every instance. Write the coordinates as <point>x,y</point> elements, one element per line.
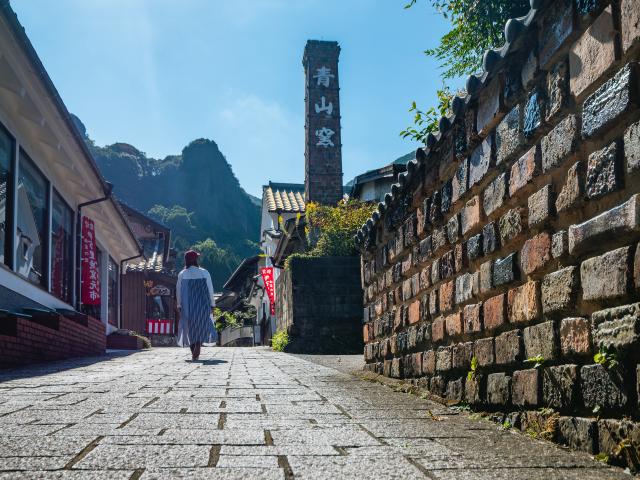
<point>248,413</point>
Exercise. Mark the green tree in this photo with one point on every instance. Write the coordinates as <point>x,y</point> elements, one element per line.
<point>476,25</point>
<point>219,262</point>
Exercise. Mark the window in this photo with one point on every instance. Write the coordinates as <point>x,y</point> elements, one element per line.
<point>32,236</point>
<point>6,204</point>
<point>112,314</point>
<point>61,249</point>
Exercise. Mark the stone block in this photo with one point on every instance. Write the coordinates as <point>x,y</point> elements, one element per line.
<point>425,248</point>
<point>472,318</point>
<point>460,181</point>
<point>494,311</point>
<point>604,172</point>
<point>535,253</point>
<point>607,276</point>
<point>612,432</point>
<point>557,27</point>
<point>453,228</point>
<point>438,238</point>
<point>414,312</point>
<point>559,244</point>
<point>437,329</point>
<point>541,205</point>
<point>614,98</point>
<point>498,389</point>
<point>406,289</point>
<point>603,388</point>
<point>525,388</point>
<point>455,390</point>
<point>461,355</point>
<point>505,270</point>
<point>437,386</point>
<point>578,433</point>
<point>483,351</point>
<point>617,328</point>
<point>509,139</point>
<point>474,247</point>
<point>559,387</point>
<point>573,188</point>
<point>630,19</point>
<point>490,239</point>
<point>464,288</point>
<point>447,296</point>
<point>460,253</point>
<point>636,268</point>
<point>396,368</point>
<point>489,106</point>
<point>575,337</point>
<point>472,392</point>
<point>522,303</point>
<point>534,113</point>
<point>560,143</point>
<point>495,194</point>
<point>557,89</point>
<point>433,302</point>
<point>447,265</point>
<point>542,340</point>
<point>429,362</point>
<point>417,363</point>
<point>480,161</point>
<point>529,70</point>
<point>524,170</point>
<point>508,348</point>
<point>471,215</point>
<point>443,359</point>
<point>632,148</point>
<point>435,208</point>
<point>435,271</point>
<point>559,291</point>
<point>415,284</point>
<point>425,278</point>
<point>592,54</point>
<point>511,225</point>
<point>486,276</point>
<point>386,371</point>
<point>446,194</point>
<point>616,222</point>
<point>454,324</point>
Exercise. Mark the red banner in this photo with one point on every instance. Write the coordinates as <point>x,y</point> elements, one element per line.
<point>270,286</point>
<point>90,267</point>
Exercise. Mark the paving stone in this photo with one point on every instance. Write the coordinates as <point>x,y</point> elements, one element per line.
<point>509,139</point>
<point>630,19</point>
<point>578,433</point>
<point>525,387</point>
<point>602,387</point>
<point>603,172</point>
<point>559,291</point>
<point>573,188</point>
<point>560,143</point>
<point>575,337</point>
<point>460,181</point>
<point>511,225</point>
<point>480,161</point>
<point>524,170</point>
<point>535,253</point>
<point>498,389</point>
<point>606,276</point>
<point>541,339</point>
<point>541,205</point>
<point>494,312</point>
<point>505,270</point>
<point>144,456</point>
<point>523,304</point>
<point>593,53</point>
<point>614,98</point>
<point>495,194</point>
<point>559,385</point>
<point>508,348</point>
<point>618,221</point>
<point>617,328</point>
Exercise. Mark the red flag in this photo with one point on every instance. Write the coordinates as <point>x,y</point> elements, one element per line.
<point>90,270</point>
<point>270,287</point>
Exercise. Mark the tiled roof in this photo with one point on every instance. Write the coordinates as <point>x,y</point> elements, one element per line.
<point>288,201</point>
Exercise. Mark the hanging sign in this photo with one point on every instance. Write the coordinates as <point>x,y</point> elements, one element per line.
<point>270,287</point>
<point>90,267</point>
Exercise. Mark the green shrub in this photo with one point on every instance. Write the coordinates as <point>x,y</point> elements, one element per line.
<point>280,340</point>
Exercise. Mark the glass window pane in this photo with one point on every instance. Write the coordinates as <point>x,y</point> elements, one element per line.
<point>31,238</point>
<point>62,249</point>
<point>6,152</point>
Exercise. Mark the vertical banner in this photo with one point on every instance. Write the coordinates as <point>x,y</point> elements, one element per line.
<point>270,287</point>
<point>90,271</point>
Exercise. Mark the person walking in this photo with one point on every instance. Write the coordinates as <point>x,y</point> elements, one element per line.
<point>194,292</point>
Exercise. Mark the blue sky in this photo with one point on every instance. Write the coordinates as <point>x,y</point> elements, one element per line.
<point>160,73</point>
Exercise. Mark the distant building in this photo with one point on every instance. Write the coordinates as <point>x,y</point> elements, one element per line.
<point>63,236</point>
<point>373,185</point>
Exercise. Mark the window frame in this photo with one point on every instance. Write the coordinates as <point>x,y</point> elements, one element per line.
<point>10,213</point>
<point>55,192</point>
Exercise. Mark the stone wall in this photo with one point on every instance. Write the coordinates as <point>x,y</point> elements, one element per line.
<point>319,302</point>
<point>513,238</point>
